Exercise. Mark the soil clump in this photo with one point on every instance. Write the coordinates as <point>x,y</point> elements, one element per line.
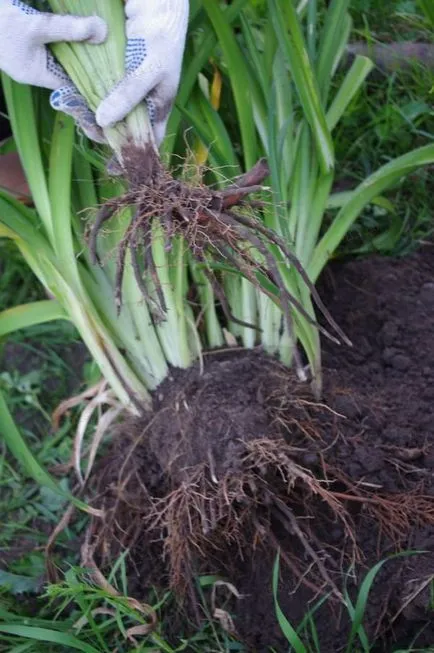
<point>239,461</point>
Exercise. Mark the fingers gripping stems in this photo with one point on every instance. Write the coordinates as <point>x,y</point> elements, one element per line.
<point>24,54</point>
<point>68,99</point>
<point>130,91</point>
<point>48,28</point>
<point>156,32</point>
<point>91,29</point>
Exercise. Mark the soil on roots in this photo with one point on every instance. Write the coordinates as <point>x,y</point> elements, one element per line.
<point>227,450</point>
<point>239,461</point>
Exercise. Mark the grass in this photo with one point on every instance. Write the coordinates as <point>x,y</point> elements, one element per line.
<point>17,283</point>
<point>80,615</point>
<point>304,638</point>
<point>392,112</point>
<point>37,373</point>
<point>76,614</point>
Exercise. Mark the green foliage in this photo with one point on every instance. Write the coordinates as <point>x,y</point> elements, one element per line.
<point>264,109</point>
<point>17,284</point>
<point>395,17</point>
<point>298,99</point>
<point>428,9</point>
<point>79,615</point>
<point>304,637</point>
<point>282,98</point>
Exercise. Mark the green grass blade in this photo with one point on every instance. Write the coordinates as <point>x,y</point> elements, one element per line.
<point>290,36</point>
<point>21,452</point>
<point>289,632</point>
<point>85,190</point>
<point>242,82</point>
<point>312,18</point>
<point>270,49</point>
<point>330,45</point>
<point>26,315</point>
<point>308,622</point>
<point>193,64</point>
<point>213,133</point>
<point>172,331</point>
<point>60,193</point>
<point>16,223</point>
<point>21,113</point>
<point>320,195</point>
<point>22,221</point>
<point>256,55</point>
<point>339,199</point>
<point>304,189</point>
<point>357,612</point>
<point>374,185</point>
<point>47,635</point>
<point>350,86</point>
<point>427,7</point>
<point>281,149</point>
<point>19,449</point>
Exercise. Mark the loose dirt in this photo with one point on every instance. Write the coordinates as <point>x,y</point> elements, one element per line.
<point>239,461</point>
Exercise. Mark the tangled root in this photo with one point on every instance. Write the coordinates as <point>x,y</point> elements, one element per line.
<point>205,516</point>
<point>197,487</point>
<point>213,224</point>
<point>202,516</point>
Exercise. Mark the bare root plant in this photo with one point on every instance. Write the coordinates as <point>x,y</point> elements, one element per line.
<point>215,226</point>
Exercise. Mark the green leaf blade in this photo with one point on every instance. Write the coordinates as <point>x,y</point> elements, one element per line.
<point>27,315</point>
<point>290,36</point>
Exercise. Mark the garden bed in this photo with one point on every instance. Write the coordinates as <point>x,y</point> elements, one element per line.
<point>370,445</point>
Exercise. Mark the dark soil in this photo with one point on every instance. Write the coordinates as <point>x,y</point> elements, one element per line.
<point>370,444</point>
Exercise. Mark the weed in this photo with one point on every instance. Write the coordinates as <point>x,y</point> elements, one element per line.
<point>79,615</point>
<point>392,113</point>
<point>304,638</point>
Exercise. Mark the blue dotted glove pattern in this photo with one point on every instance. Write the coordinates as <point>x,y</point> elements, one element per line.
<point>52,65</point>
<point>67,97</point>
<point>135,54</point>
<point>24,8</point>
<point>56,68</point>
<point>151,110</point>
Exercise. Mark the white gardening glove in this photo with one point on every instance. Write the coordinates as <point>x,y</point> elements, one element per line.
<point>156,32</point>
<point>24,34</point>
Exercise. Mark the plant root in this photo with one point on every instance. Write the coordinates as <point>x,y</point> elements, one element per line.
<point>214,226</point>
<point>222,471</point>
<point>203,515</point>
<point>395,513</point>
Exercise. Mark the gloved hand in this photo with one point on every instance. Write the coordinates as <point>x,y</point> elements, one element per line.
<point>156,32</point>
<point>25,57</point>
